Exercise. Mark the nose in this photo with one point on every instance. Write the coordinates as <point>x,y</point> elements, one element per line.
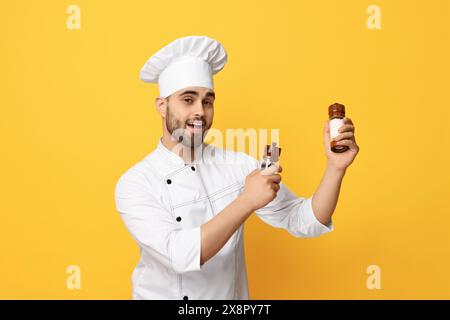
<point>198,109</point>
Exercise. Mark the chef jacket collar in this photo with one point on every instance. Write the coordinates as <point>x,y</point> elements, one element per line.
<point>174,159</point>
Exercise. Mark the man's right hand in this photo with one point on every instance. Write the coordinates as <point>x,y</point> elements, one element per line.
<point>260,189</point>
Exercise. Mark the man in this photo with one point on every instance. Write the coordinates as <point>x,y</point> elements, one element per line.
<point>186,202</point>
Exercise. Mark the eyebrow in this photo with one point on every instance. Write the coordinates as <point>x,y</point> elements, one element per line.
<point>195,93</point>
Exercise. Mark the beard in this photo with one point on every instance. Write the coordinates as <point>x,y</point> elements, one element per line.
<point>177,130</point>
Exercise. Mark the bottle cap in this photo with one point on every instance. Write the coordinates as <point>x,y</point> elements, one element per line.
<point>336,109</point>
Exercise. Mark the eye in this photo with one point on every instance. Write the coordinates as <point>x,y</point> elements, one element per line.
<point>188,100</point>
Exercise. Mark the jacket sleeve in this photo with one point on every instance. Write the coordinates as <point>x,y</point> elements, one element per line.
<point>294,214</point>
<point>154,228</point>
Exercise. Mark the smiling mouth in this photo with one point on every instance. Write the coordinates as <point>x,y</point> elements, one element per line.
<point>196,125</point>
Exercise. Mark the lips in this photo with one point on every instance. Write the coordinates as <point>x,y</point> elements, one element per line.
<point>195,125</point>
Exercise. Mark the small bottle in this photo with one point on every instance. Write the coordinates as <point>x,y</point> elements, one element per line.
<point>336,113</point>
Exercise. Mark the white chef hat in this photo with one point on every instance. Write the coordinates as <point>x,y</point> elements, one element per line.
<point>186,62</point>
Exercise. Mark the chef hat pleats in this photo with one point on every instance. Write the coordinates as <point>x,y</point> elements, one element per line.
<point>186,62</point>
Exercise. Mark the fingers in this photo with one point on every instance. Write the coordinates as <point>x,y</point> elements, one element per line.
<point>275,186</point>
<point>350,143</point>
<point>346,128</point>
<point>343,136</point>
<point>347,120</point>
<point>347,133</point>
<point>271,170</point>
<point>274,178</point>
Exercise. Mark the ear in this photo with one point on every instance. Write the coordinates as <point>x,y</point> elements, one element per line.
<point>161,106</point>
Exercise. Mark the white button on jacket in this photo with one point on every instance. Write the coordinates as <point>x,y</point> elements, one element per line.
<point>163,202</point>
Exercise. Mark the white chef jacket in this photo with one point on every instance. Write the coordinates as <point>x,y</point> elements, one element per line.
<point>163,202</point>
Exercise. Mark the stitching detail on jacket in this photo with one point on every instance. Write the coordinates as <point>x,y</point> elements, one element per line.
<point>211,197</point>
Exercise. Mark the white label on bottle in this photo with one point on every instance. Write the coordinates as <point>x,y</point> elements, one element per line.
<point>335,124</point>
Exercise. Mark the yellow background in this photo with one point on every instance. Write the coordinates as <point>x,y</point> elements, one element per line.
<point>75,116</point>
